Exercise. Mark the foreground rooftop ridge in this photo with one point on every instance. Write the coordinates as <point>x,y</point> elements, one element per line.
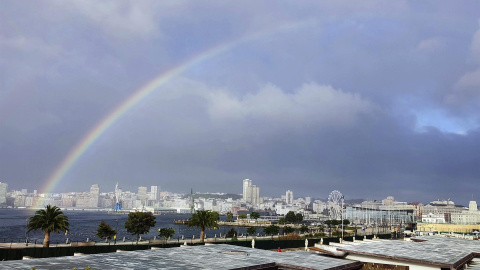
<point>219,256</point>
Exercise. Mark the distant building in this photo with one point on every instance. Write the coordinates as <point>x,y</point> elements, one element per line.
<point>289,197</point>
<point>308,200</point>
<point>247,183</point>
<point>446,207</point>
<point>470,216</point>
<point>3,193</point>
<point>433,218</point>
<point>318,206</point>
<point>82,200</point>
<point>390,200</point>
<point>155,193</point>
<point>94,195</point>
<point>142,196</point>
<point>251,193</point>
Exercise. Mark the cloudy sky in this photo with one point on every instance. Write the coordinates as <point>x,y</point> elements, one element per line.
<point>373,98</point>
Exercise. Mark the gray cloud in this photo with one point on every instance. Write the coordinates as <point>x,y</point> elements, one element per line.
<point>373,99</point>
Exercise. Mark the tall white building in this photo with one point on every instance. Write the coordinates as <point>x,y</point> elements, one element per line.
<point>251,193</point>
<point>255,195</point>
<point>155,193</point>
<point>3,193</point>
<point>289,197</point>
<point>247,183</point>
<point>94,195</point>
<point>142,196</point>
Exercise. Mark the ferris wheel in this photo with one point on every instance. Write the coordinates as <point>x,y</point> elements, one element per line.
<point>335,205</point>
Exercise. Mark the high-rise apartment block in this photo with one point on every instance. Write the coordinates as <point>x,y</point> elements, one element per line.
<point>3,193</point>
<point>142,195</point>
<point>94,195</point>
<point>289,197</point>
<point>155,193</point>
<point>251,193</point>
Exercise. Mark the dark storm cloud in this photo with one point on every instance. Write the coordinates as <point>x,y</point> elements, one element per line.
<point>373,99</point>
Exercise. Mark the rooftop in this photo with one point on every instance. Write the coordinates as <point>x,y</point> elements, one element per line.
<point>432,250</point>
<point>197,257</point>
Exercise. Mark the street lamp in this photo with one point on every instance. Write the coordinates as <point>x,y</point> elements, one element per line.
<point>342,218</point>
<point>26,232</point>
<point>116,232</point>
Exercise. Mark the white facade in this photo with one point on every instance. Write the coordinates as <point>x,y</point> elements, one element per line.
<point>155,193</point>
<point>289,197</point>
<point>471,216</point>
<point>251,193</point>
<point>94,195</point>
<point>246,191</point>
<point>433,218</point>
<point>3,193</point>
<point>142,196</point>
<point>318,206</point>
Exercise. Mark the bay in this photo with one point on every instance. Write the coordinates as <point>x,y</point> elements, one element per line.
<point>84,224</point>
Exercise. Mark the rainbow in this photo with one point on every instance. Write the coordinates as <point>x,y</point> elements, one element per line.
<point>103,125</point>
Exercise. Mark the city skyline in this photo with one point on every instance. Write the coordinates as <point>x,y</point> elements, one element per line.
<point>245,194</point>
<point>374,98</point>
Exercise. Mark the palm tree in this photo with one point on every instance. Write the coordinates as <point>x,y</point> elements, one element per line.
<point>50,219</point>
<point>203,219</point>
<point>229,216</point>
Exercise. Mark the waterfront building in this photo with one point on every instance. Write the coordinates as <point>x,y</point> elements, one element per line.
<point>141,198</point>
<point>94,195</point>
<point>444,207</point>
<point>433,218</point>
<point>470,216</point>
<point>82,200</point>
<point>369,216</point>
<point>3,193</point>
<point>19,200</point>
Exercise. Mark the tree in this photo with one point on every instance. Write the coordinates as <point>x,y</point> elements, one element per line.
<point>139,223</point>
<point>166,233</point>
<point>304,229</point>
<point>298,217</point>
<point>242,216</point>
<point>251,230</point>
<point>50,219</point>
<point>288,229</point>
<point>105,231</point>
<point>215,216</point>
<point>255,215</point>
<point>281,220</point>
<point>271,230</point>
<point>330,223</point>
<point>229,216</point>
<point>203,219</point>
<point>232,233</point>
<point>290,217</point>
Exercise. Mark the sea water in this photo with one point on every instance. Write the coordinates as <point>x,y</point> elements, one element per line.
<point>84,224</point>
